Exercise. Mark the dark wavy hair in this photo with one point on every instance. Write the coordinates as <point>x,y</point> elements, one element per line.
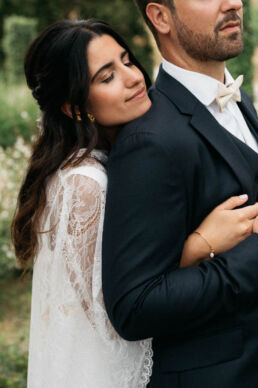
<point>57,72</point>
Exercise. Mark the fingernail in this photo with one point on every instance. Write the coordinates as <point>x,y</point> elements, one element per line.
<point>243,196</point>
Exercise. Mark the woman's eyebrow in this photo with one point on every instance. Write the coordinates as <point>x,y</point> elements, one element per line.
<point>107,65</point>
<point>124,53</point>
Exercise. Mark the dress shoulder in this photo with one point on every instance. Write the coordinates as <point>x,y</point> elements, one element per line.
<point>93,166</point>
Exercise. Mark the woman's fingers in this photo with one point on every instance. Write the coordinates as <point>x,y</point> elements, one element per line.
<point>233,202</point>
<point>255,225</point>
<point>248,212</point>
<point>246,228</point>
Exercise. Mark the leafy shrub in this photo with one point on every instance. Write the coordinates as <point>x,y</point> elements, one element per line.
<point>13,367</point>
<point>13,163</point>
<point>18,114</point>
<point>15,302</point>
<point>255,25</point>
<point>243,63</point>
<point>18,33</point>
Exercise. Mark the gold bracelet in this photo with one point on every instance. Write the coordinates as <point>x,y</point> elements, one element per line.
<point>212,252</point>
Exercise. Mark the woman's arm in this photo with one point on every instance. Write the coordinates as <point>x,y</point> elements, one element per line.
<point>223,228</point>
<point>78,235</point>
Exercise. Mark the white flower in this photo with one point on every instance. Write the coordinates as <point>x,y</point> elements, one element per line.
<point>10,255</point>
<point>9,162</point>
<point>24,115</point>
<point>5,247</point>
<point>4,214</point>
<point>16,154</point>
<point>10,185</point>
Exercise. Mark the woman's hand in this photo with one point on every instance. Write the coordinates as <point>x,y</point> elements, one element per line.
<point>255,225</point>
<point>223,228</point>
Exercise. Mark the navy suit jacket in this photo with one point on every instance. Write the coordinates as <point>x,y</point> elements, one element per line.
<point>166,172</point>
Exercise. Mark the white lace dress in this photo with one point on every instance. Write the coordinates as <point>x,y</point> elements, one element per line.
<point>72,343</point>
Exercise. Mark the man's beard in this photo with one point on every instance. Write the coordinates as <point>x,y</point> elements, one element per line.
<point>212,47</point>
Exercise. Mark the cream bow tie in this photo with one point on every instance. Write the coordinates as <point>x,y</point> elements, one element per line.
<point>225,93</point>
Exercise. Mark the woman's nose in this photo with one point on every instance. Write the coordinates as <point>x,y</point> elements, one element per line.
<point>132,76</point>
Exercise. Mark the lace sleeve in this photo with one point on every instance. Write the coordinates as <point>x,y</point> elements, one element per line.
<point>78,245</point>
<point>81,211</point>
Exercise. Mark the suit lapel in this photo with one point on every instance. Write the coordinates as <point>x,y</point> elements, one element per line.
<point>249,113</point>
<point>208,127</point>
<point>203,122</point>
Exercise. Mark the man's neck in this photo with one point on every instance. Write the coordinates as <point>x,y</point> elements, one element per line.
<point>213,69</point>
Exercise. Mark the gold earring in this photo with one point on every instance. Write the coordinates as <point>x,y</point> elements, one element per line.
<point>91,117</point>
<point>78,117</point>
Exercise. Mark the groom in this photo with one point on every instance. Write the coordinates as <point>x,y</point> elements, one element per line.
<point>168,169</point>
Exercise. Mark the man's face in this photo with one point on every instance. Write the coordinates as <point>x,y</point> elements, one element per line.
<point>208,30</point>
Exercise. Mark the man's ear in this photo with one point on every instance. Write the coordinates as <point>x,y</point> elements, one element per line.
<point>159,17</point>
<point>66,109</point>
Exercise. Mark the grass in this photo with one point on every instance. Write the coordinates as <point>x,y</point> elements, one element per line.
<point>15,299</point>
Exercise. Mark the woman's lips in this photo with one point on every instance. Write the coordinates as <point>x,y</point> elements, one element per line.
<point>139,94</point>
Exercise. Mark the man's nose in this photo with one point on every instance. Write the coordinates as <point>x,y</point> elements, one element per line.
<point>230,5</point>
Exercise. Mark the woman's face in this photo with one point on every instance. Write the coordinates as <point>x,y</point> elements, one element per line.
<point>117,87</point>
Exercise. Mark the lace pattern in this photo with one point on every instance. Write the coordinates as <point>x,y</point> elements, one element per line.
<point>72,342</point>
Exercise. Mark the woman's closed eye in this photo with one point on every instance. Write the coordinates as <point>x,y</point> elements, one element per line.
<point>108,78</point>
<point>128,63</point>
<point>126,60</point>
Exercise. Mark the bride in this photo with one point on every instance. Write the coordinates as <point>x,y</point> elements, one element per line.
<point>75,69</point>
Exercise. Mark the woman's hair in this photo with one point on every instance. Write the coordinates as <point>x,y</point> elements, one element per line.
<point>57,72</point>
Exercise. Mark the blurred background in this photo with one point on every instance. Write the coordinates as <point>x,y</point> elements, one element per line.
<point>20,21</point>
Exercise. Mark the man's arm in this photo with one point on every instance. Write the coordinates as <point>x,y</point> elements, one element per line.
<point>145,293</point>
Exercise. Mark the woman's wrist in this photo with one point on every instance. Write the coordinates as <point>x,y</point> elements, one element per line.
<point>195,250</point>
<point>212,251</point>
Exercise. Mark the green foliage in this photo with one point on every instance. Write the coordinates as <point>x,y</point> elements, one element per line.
<point>15,301</point>
<point>242,64</point>
<point>255,25</point>
<point>7,258</point>
<point>13,367</point>
<point>18,31</point>
<point>122,14</point>
<point>18,114</point>
<point>13,161</point>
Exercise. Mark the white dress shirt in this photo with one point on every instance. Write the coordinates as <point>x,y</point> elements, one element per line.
<point>205,88</point>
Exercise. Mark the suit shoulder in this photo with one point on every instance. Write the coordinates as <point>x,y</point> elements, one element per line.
<point>162,115</point>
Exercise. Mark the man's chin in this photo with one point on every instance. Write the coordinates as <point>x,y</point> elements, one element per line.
<point>233,53</point>
<point>231,50</point>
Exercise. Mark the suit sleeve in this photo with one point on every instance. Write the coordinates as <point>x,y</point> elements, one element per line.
<point>145,293</point>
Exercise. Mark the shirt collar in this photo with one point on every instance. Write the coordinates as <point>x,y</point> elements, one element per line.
<point>202,86</point>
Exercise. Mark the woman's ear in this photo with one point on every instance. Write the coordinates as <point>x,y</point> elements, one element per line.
<point>66,109</point>
<point>159,17</point>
